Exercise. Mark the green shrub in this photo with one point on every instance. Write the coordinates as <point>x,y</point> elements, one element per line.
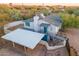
<point>5,17</point>
<point>69,21</point>
<point>9,12</point>
<point>76,12</point>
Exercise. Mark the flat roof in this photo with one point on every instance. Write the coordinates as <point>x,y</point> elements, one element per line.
<point>24,37</point>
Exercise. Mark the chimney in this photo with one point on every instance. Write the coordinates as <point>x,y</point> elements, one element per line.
<point>36,27</point>
<point>42,15</point>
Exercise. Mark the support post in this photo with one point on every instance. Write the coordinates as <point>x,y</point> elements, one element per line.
<point>3,41</point>
<point>25,50</point>
<point>13,44</point>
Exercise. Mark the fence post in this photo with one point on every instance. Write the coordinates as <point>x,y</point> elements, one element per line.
<point>68,46</point>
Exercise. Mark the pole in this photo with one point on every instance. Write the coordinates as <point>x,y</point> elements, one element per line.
<point>13,44</point>
<point>25,50</point>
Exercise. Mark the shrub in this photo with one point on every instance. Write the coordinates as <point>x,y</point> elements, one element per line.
<point>11,12</point>
<point>69,21</point>
<point>5,17</point>
<point>76,12</point>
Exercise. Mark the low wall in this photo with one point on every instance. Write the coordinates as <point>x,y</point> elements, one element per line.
<point>52,47</point>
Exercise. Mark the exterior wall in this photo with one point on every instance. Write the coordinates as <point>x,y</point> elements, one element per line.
<point>13,24</point>
<point>50,30</point>
<point>52,47</point>
<point>26,24</point>
<point>40,27</point>
<point>53,29</point>
<point>31,25</point>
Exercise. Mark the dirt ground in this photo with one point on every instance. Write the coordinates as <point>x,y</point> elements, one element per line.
<point>73,35</point>
<point>7,49</point>
<point>9,52</point>
<point>40,50</point>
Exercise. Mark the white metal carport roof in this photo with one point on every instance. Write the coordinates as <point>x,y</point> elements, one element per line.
<point>24,37</point>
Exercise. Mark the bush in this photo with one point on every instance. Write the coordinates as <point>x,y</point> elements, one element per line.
<point>5,17</point>
<point>15,14</point>
<point>9,13</point>
<point>76,12</point>
<point>69,21</point>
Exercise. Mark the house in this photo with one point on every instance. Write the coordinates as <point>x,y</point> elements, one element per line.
<point>49,25</point>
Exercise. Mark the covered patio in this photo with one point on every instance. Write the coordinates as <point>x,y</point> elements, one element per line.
<point>23,37</point>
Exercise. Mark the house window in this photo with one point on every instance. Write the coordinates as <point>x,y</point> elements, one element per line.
<point>27,24</point>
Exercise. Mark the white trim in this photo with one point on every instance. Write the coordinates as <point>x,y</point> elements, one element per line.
<point>52,47</point>
<point>11,25</point>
